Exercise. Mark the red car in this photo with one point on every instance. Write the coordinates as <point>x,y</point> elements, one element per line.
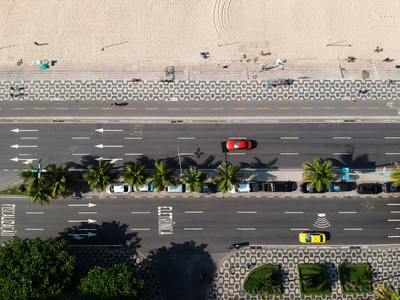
<point>238,145</point>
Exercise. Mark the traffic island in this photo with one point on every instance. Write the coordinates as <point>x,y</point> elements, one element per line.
<point>355,279</point>
<point>313,280</point>
<point>264,280</point>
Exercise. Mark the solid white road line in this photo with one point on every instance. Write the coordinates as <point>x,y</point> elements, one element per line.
<point>34,212</point>
<point>139,229</point>
<point>341,138</point>
<point>193,211</point>
<point>81,138</point>
<point>289,137</point>
<point>288,153</point>
<point>87,213</point>
<point>294,212</point>
<point>34,229</point>
<point>246,212</point>
<point>242,228</point>
<point>301,229</point>
<point>140,212</point>
<point>347,212</point>
<point>134,154</point>
<point>350,229</point>
<point>193,228</point>
<point>133,138</point>
<point>185,138</point>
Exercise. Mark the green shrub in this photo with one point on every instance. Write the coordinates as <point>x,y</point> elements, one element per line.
<point>313,279</point>
<point>263,280</point>
<point>355,279</point>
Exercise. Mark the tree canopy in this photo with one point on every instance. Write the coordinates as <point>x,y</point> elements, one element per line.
<point>116,283</point>
<point>100,176</point>
<point>319,174</point>
<point>35,268</point>
<point>228,177</point>
<point>162,176</point>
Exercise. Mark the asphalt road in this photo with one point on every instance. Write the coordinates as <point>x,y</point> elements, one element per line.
<point>214,221</point>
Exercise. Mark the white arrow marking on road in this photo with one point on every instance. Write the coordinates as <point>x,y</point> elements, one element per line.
<point>18,130</point>
<point>108,146</point>
<point>82,221</point>
<point>27,160</point>
<point>113,160</point>
<point>102,130</point>
<point>87,205</point>
<point>23,146</point>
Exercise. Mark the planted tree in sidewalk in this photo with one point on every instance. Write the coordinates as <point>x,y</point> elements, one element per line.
<point>195,178</point>
<point>228,177</point>
<point>387,293</point>
<point>396,174</point>
<point>319,174</point>
<point>35,268</point>
<point>135,174</point>
<point>117,282</point>
<point>162,176</point>
<point>61,179</point>
<point>100,176</point>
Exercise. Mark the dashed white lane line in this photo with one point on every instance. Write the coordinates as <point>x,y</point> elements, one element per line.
<point>193,228</point>
<point>133,138</point>
<point>193,211</point>
<point>289,137</point>
<point>294,212</point>
<point>34,229</point>
<point>342,138</point>
<point>237,138</point>
<point>34,212</point>
<point>352,229</point>
<point>393,220</point>
<point>186,138</point>
<point>244,229</point>
<point>300,229</point>
<point>28,138</point>
<point>390,153</point>
<point>393,236</point>
<point>341,153</point>
<point>140,229</point>
<point>140,212</point>
<point>139,154</point>
<point>187,154</point>
<point>80,154</point>
<point>347,212</point>
<point>393,204</point>
<point>87,213</point>
<point>236,153</point>
<point>395,212</point>
<point>246,212</point>
<point>81,138</point>
<point>392,137</point>
<point>289,153</point>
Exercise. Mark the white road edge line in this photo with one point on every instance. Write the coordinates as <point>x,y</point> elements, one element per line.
<point>28,138</point>
<point>395,211</point>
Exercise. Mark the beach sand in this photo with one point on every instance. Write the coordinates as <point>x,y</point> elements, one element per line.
<point>171,30</point>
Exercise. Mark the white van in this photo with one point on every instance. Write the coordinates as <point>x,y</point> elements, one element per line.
<point>179,188</point>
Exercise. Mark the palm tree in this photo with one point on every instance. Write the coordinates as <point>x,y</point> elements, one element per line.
<point>62,180</point>
<point>195,179</point>
<point>162,176</point>
<point>228,177</point>
<point>100,176</point>
<point>396,174</point>
<point>387,293</point>
<point>135,174</point>
<point>319,174</point>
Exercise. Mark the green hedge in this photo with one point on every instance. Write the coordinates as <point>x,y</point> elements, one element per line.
<point>355,279</point>
<point>313,280</point>
<point>266,279</point>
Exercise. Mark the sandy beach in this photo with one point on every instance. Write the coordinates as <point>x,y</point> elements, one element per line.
<point>171,30</point>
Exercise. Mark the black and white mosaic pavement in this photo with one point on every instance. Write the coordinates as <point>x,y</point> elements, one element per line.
<point>228,280</point>
<point>122,90</point>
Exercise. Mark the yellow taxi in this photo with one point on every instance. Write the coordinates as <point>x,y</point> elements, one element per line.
<point>312,237</point>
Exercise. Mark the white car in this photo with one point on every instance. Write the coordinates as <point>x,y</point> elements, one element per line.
<point>118,188</point>
<point>243,188</point>
<point>179,188</point>
<point>144,188</point>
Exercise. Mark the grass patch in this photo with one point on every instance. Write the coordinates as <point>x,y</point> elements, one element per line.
<point>263,280</point>
<point>355,279</point>
<point>313,280</point>
<point>17,190</point>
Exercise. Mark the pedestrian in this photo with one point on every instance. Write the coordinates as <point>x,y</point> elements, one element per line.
<point>11,88</point>
<point>363,91</point>
<point>36,43</point>
<point>262,53</point>
<point>11,95</point>
<point>377,50</point>
<point>389,81</point>
<point>225,67</point>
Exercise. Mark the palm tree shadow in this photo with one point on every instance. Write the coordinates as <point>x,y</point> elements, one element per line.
<point>258,164</point>
<point>180,267</point>
<point>360,162</point>
<point>208,163</point>
<point>84,162</point>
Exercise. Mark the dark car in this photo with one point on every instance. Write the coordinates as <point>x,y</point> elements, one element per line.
<point>342,186</point>
<point>238,145</point>
<point>305,189</point>
<point>280,186</point>
<point>369,188</point>
<point>256,186</point>
<point>388,187</point>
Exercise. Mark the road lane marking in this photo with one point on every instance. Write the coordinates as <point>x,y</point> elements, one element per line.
<point>110,130</point>
<point>34,212</point>
<point>294,212</point>
<point>245,212</point>
<point>34,229</point>
<point>262,107</point>
<point>133,138</point>
<point>289,137</point>
<point>329,107</point>
<point>217,108</point>
<point>341,137</point>
<point>392,153</point>
<point>395,212</point>
<point>193,228</point>
<point>61,108</point>
<point>87,213</point>
<point>193,211</point>
<point>80,154</point>
<point>307,108</point>
<point>373,107</point>
<point>392,137</point>
<point>139,229</point>
<point>285,108</point>
<point>393,220</point>
<point>101,146</point>
<point>236,138</point>
<point>151,108</point>
<point>288,153</point>
<point>23,146</point>
<point>106,108</point>
<point>236,153</point>
<point>300,229</point>
<point>84,108</point>
<point>393,204</point>
<point>129,108</point>
<point>341,153</point>
<point>347,212</point>
<point>82,221</point>
<point>351,107</point>
<point>40,108</point>
<point>352,229</point>
<point>81,138</point>
<point>133,154</point>
<point>28,138</point>
<point>244,229</point>
<point>173,108</point>
<point>239,108</point>
<point>186,138</point>
<point>187,154</point>
<point>17,108</point>
<point>196,109</point>
<point>140,212</point>
<point>393,236</point>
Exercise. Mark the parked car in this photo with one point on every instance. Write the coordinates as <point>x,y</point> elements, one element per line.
<point>143,188</point>
<point>179,188</point>
<point>305,189</point>
<point>280,186</point>
<point>257,186</point>
<point>118,188</point>
<point>238,145</point>
<point>244,187</point>
<point>369,188</point>
<point>388,187</point>
<point>342,186</point>
<point>312,237</point>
